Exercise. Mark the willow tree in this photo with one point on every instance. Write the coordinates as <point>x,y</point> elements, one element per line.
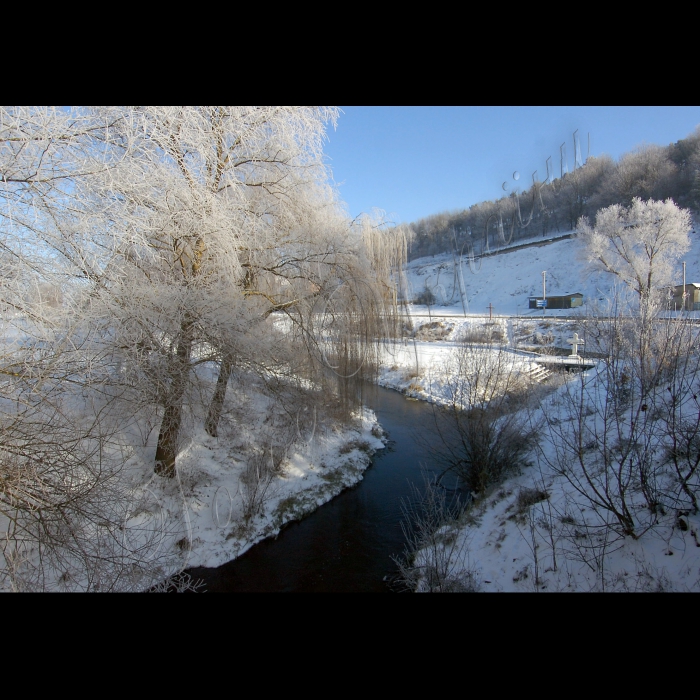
<point>356,311</point>
<point>387,251</point>
<point>182,229</point>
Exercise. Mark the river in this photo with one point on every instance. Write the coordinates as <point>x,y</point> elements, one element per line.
<point>348,543</point>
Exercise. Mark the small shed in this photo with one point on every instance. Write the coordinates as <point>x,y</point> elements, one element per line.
<point>566,301</point>
<point>692,299</point>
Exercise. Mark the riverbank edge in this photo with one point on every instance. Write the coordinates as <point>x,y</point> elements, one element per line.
<point>337,463</point>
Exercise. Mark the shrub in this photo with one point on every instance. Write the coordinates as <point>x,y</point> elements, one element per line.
<point>434,554</point>
<point>426,297</point>
<point>482,435</point>
<point>483,335</point>
<point>436,330</point>
<point>482,447</point>
<point>528,497</point>
<point>361,445</point>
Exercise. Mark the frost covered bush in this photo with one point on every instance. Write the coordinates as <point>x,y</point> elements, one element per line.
<point>483,436</point>
<point>434,554</point>
<point>542,338</point>
<point>436,330</point>
<point>486,335</point>
<point>626,436</point>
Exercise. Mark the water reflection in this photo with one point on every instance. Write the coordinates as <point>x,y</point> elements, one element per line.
<point>347,544</point>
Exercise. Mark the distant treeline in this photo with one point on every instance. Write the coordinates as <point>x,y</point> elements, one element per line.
<point>649,172</point>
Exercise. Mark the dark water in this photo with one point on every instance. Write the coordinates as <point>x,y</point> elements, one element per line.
<point>347,544</point>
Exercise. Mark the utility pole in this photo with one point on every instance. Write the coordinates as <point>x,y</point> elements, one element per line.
<point>544,290</point>
<point>459,279</point>
<point>683,285</point>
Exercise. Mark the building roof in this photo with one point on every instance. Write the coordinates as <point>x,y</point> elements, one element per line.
<point>561,296</point>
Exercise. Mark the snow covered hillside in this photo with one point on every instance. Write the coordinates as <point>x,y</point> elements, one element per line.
<point>506,280</point>
<point>607,499</point>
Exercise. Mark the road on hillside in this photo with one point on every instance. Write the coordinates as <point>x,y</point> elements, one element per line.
<point>534,316</point>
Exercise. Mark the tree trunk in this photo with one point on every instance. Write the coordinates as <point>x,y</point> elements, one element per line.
<point>211,425</point>
<point>166,451</point>
<point>217,403</point>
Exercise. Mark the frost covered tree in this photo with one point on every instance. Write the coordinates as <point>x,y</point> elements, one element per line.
<point>646,172</point>
<point>206,221</point>
<point>228,214</point>
<point>139,245</point>
<point>640,244</point>
<point>244,226</point>
<point>180,232</point>
<point>62,501</point>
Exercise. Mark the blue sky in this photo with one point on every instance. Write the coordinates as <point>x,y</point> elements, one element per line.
<point>416,161</point>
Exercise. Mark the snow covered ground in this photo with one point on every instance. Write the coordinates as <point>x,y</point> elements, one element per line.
<point>265,469</point>
<point>531,533</point>
<point>507,280</point>
<point>219,518</point>
<point>506,544</point>
<point>540,530</point>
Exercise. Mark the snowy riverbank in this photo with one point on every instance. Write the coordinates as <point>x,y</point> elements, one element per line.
<point>544,528</point>
<point>264,470</point>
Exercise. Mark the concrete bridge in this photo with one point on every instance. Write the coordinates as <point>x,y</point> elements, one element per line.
<point>568,363</point>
